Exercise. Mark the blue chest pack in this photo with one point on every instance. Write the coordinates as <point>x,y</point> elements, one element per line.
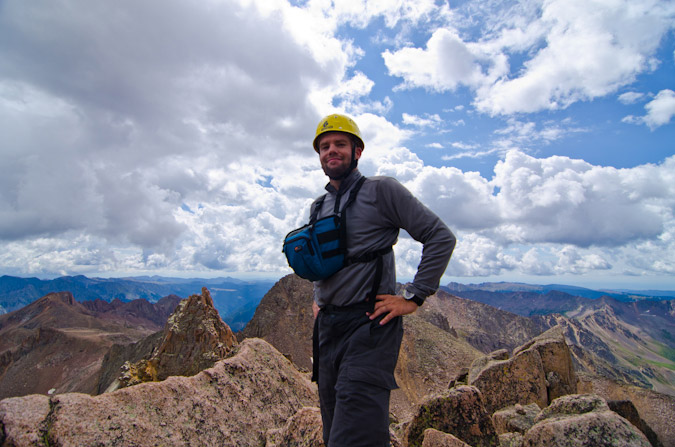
<point>319,249</point>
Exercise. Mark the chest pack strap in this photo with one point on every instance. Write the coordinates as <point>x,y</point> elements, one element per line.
<point>336,208</point>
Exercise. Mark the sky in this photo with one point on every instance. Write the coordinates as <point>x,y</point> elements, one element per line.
<point>174,138</point>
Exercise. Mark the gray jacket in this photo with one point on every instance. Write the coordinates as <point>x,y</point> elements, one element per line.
<point>382,207</point>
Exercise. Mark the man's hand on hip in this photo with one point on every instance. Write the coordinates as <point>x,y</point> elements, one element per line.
<point>391,306</point>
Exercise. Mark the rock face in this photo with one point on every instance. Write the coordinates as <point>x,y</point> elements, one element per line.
<point>515,419</point>
<point>518,380</point>
<point>234,403</point>
<point>285,319</point>
<point>580,420</point>
<point>428,360</point>
<point>304,429</point>
<point>627,410</point>
<point>119,354</point>
<point>570,421</point>
<point>194,338</point>
<point>435,438</point>
<point>540,371</point>
<point>656,409</point>
<point>556,360</point>
<point>460,412</point>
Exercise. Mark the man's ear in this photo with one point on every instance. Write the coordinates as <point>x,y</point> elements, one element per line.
<point>357,152</point>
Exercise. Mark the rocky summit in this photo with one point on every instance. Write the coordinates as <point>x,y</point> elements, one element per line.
<point>232,404</point>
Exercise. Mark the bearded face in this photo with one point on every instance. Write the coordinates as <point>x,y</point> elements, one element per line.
<point>335,154</point>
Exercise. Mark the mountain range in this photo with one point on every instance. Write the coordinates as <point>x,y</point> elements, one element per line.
<point>466,369</point>
<point>505,287</point>
<point>235,300</point>
<point>57,343</point>
<point>633,341</point>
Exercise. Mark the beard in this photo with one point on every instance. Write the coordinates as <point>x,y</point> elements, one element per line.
<point>337,172</point>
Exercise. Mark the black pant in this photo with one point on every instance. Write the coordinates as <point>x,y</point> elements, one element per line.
<point>356,362</point>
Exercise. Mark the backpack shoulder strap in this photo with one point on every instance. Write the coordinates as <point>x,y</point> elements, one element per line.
<point>350,200</point>
<point>317,208</point>
<point>343,215</point>
<point>354,192</point>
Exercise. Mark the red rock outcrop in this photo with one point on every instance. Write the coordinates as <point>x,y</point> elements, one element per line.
<point>656,409</point>
<point>515,419</point>
<point>518,380</point>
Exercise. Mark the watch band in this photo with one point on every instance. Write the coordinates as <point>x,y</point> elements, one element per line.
<point>417,300</point>
<point>413,297</point>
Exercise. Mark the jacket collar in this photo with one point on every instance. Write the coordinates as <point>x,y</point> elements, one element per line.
<point>348,181</point>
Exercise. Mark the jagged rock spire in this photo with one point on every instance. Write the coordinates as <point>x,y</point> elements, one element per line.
<point>194,338</point>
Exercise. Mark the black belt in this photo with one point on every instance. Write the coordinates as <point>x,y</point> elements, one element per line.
<point>367,305</point>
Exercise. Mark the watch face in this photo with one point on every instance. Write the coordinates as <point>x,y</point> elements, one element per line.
<point>407,294</point>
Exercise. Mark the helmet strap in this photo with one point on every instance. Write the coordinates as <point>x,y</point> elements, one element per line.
<point>352,164</point>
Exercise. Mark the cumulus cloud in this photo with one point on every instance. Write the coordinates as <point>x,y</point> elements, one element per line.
<point>660,111</point>
<point>547,216</point>
<point>568,47</point>
<point>570,201</point>
<point>445,63</point>
<point>185,146</point>
<point>464,199</point>
<point>531,207</point>
<point>106,124</point>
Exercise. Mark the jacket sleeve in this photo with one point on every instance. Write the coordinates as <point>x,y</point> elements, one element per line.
<point>404,211</point>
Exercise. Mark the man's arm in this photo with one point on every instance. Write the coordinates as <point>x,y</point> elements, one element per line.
<point>403,210</point>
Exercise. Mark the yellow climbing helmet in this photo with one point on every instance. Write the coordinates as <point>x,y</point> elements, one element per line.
<point>337,123</point>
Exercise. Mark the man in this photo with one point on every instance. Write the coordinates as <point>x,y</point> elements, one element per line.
<point>358,327</point>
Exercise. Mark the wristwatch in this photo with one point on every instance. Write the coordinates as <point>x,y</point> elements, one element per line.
<point>408,295</point>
